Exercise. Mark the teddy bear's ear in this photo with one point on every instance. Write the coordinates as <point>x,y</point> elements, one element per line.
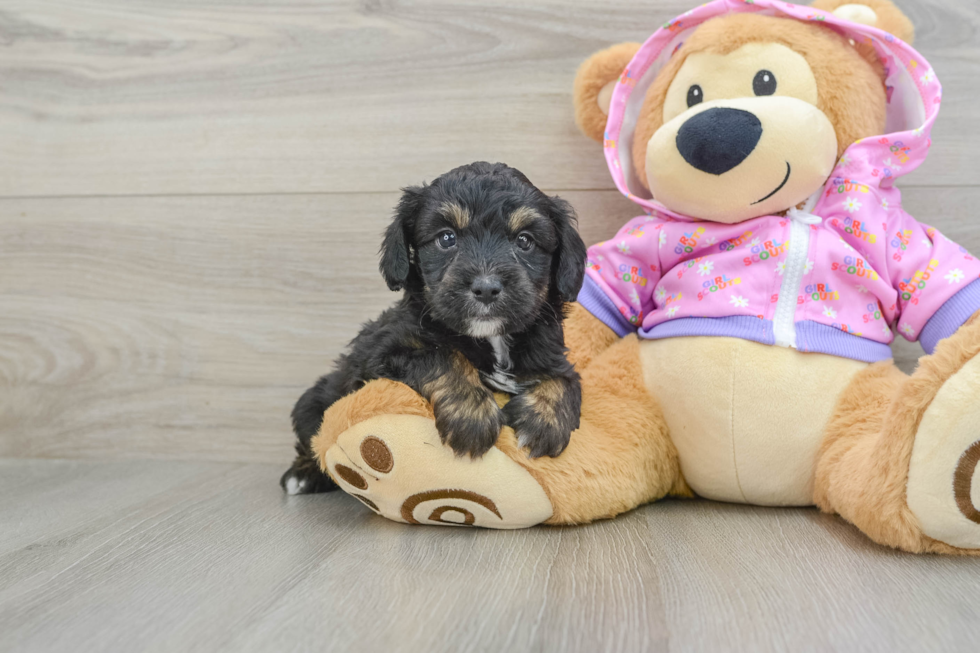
<point>882,14</point>
<point>594,83</point>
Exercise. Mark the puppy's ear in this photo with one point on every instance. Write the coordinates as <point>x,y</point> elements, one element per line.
<point>396,255</point>
<point>568,266</point>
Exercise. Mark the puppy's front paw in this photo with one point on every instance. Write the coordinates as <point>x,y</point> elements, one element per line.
<point>305,477</point>
<point>536,430</point>
<point>545,416</point>
<point>468,420</point>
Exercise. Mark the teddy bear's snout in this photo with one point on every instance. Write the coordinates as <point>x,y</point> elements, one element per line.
<point>718,139</point>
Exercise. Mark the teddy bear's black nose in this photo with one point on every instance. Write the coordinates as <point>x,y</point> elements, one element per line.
<point>717,140</point>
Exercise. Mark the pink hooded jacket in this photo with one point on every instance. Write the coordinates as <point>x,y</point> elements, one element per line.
<point>834,278</point>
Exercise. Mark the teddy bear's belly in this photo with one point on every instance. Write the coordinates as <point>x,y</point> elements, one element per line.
<point>747,418</point>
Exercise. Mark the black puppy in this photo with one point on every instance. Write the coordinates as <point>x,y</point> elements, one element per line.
<point>487,262</point>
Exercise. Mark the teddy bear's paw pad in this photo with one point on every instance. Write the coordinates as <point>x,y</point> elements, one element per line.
<point>944,479</point>
<point>397,466</point>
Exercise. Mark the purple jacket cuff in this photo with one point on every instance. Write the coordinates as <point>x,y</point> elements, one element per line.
<point>598,303</point>
<point>950,316</point>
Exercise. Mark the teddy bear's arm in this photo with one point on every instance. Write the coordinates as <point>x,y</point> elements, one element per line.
<point>622,274</point>
<point>937,281</point>
<point>586,336</point>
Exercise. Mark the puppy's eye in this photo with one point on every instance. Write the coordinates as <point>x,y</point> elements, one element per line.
<point>764,83</point>
<point>446,239</point>
<point>694,95</point>
<point>524,241</point>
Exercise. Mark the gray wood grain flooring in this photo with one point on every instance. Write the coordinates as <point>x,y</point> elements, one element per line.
<point>185,556</point>
<point>191,197</point>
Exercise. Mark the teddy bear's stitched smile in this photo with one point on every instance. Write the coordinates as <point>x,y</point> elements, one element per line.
<point>779,187</point>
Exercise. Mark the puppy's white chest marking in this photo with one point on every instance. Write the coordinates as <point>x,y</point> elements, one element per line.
<point>501,351</point>
<point>501,379</point>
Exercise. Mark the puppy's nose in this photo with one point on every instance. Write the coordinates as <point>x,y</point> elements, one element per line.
<point>486,288</point>
<point>717,140</point>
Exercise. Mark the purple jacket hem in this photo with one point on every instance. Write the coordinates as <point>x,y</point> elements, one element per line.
<point>951,316</point>
<point>822,339</point>
<point>598,303</point>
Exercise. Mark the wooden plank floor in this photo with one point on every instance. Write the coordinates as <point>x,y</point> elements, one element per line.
<point>191,197</point>
<point>185,556</point>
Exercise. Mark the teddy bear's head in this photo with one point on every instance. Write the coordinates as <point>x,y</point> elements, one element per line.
<point>750,114</point>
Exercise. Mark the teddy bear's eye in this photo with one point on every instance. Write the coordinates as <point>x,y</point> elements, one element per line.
<point>694,95</point>
<point>764,83</point>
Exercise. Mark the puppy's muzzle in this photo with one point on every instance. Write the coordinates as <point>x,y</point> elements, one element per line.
<point>486,289</point>
<point>717,140</point>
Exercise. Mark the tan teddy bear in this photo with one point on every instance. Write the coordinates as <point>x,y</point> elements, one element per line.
<point>733,340</point>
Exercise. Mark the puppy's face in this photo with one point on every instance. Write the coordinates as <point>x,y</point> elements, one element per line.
<point>486,249</point>
<point>485,266</point>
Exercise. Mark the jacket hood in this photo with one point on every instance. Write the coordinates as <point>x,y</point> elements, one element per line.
<point>913,97</point>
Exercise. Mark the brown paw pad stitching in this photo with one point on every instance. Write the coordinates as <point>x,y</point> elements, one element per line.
<point>963,482</point>
<point>377,455</point>
<point>352,477</point>
<point>444,497</point>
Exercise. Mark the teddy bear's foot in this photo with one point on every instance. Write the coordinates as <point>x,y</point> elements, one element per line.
<point>900,457</point>
<point>943,489</point>
<point>397,466</point>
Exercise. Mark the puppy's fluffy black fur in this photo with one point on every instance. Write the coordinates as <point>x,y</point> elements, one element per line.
<point>487,262</point>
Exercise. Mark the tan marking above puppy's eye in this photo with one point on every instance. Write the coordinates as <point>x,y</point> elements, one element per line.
<point>458,216</point>
<point>522,217</point>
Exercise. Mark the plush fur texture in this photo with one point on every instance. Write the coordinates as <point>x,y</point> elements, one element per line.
<point>594,73</point>
<point>851,90</point>
<point>622,457</point>
<point>599,475</point>
<point>379,397</point>
<point>372,460</point>
<point>487,262</point>
<point>622,454</point>
<point>585,336</point>
<point>735,442</point>
<point>864,463</point>
<point>849,76</point>
<point>889,17</point>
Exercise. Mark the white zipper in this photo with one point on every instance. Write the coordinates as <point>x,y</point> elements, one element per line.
<point>784,319</point>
